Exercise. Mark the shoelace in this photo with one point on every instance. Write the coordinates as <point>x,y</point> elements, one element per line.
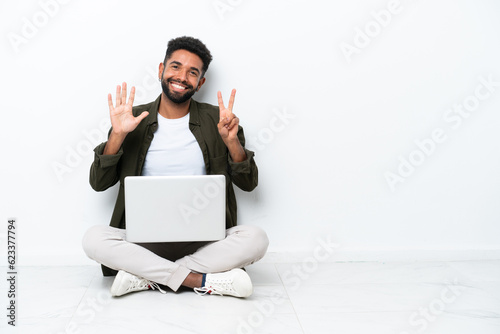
<point>142,284</point>
<point>154,285</point>
<point>204,290</point>
<point>224,285</point>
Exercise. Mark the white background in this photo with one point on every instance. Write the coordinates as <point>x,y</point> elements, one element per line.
<point>351,119</point>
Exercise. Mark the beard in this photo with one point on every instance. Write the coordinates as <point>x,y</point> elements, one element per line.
<point>174,96</point>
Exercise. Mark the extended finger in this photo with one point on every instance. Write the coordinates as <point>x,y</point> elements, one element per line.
<point>132,96</point>
<point>110,102</point>
<point>124,93</point>
<point>221,104</point>
<point>231,100</point>
<point>118,95</point>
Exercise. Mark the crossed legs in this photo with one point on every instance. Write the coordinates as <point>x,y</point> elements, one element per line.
<point>242,246</point>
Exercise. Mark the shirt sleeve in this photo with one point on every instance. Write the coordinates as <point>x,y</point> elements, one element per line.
<point>104,170</point>
<point>245,173</point>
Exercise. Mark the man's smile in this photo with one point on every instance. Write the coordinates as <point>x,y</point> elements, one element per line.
<point>178,87</point>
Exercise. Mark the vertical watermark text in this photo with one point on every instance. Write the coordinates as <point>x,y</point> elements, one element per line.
<point>11,272</point>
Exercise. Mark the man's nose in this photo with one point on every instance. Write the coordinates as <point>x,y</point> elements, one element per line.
<point>182,75</point>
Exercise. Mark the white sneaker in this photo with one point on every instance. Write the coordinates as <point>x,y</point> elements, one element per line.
<point>125,283</point>
<point>235,282</point>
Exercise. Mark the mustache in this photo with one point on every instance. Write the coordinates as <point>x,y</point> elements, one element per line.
<point>185,83</point>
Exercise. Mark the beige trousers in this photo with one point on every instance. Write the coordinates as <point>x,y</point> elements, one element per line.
<point>170,263</point>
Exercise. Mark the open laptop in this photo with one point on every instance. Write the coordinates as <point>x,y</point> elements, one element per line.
<point>175,208</point>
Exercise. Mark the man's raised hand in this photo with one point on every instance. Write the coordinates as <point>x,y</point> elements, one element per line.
<point>228,122</point>
<point>122,119</point>
<point>228,128</point>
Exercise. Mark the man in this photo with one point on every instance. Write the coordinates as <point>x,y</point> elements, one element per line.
<point>175,135</point>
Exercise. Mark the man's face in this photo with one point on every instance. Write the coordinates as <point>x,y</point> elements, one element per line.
<point>181,76</point>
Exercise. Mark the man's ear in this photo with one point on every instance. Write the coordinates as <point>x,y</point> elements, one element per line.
<point>161,68</point>
<point>202,81</point>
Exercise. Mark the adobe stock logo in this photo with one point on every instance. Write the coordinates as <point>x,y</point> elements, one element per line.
<point>86,312</point>
<point>454,117</point>
<point>422,318</point>
<point>293,280</point>
<point>31,27</point>
<point>223,6</point>
<point>277,123</point>
<point>75,155</point>
<point>372,29</point>
<point>201,200</point>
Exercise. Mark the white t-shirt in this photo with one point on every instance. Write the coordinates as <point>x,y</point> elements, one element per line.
<point>174,150</point>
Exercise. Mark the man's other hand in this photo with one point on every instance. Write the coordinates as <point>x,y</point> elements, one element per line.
<point>122,119</point>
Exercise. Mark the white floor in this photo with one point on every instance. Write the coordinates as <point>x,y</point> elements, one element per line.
<point>341,298</point>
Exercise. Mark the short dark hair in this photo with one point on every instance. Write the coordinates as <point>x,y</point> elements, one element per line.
<point>192,45</point>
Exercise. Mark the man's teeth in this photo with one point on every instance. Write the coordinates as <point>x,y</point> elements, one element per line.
<point>178,86</point>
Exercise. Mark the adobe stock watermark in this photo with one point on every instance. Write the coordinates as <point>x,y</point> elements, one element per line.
<point>223,6</point>
<point>74,155</point>
<point>201,200</point>
<point>278,123</point>
<point>292,279</point>
<point>421,319</point>
<point>371,30</point>
<point>86,312</point>
<point>31,26</point>
<point>454,118</point>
